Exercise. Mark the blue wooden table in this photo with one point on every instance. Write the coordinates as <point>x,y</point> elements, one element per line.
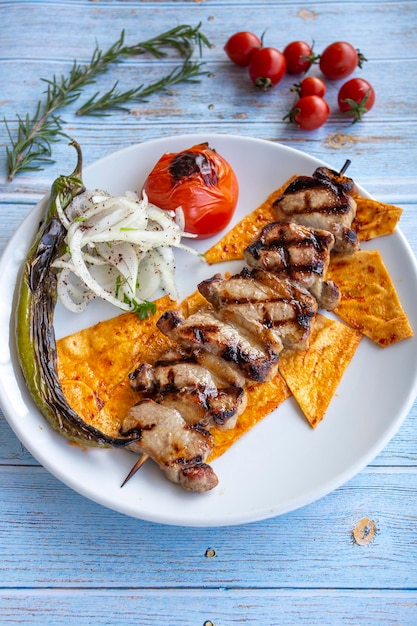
<point>348,558</point>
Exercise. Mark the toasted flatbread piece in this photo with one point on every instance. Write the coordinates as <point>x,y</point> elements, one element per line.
<point>93,361</point>
<point>262,399</point>
<point>81,397</point>
<point>232,244</point>
<point>314,374</point>
<point>369,301</point>
<point>110,418</point>
<point>374,218</point>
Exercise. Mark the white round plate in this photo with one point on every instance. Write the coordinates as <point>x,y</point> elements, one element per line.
<point>281,464</point>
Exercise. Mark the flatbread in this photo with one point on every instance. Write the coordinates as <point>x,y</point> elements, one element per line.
<point>263,398</point>
<point>374,219</point>
<point>313,375</point>
<point>369,300</point>
<point>93,361</point>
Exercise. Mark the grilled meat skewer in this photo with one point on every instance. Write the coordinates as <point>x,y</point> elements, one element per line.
<point>299,253</point>
<point>322,201</point>
<point>179,449</point>
<point>204,390</point>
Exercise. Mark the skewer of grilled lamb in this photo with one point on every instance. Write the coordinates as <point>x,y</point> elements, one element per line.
<point>264,305</point>
<point>298,253</point>
<point>180,449</point>
<point>177,380</point>
<point>324,201</point>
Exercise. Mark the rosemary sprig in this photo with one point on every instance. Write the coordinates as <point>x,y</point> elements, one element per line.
<point>32,147</point>
<point>114,99</point>
<point>183,38</point>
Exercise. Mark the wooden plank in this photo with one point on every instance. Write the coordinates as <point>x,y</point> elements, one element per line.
<point>343,541</point>
<point>225,94</point>
<point>220,607</point>
<point>399,184</point>
<point>320,22</point>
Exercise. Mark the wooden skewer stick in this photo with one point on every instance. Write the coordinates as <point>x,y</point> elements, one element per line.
<point>135,468</point>
<point>345,166</point>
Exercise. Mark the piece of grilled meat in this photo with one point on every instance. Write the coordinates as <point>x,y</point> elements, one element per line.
<point>298,253</point>
<point>322,201</point>
<point>264,305</point>
<point>226,372</point>
<point>204,331</point>
<point>179,381</point>
<point>178,448</point>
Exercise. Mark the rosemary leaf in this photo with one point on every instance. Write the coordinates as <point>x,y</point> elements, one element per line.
<point>32,146</point>
<point>114,100</point>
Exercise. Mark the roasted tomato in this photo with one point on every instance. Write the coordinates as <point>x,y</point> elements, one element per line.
<point>201,182</point>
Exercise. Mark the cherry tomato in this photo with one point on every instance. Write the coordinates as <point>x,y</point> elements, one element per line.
<point>299,56</point>
<point>240,47</point>
<point>266,67</point>
<point>339,60</point>
<point>355,98</point>
<point>311,86</point>
<point>309,112</point>
<point>200,181</point>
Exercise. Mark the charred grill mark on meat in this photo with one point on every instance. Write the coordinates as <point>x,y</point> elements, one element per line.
<point>321,201</point>
<point>243,303</point>
<point>204,331</point>
<point>179,449</point>
<point>339,179</point>
<point>298,253</point>
<point>276,310</point>
<point>180,382</point>
<point>226,374</point>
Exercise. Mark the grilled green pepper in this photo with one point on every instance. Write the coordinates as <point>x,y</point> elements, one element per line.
<point>35,336</point>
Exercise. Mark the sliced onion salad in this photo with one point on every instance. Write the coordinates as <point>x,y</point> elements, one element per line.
<point>119,249</point>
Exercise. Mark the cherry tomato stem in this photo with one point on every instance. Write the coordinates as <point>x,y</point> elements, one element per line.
<point>309,112</point>
<point>355,98</point>
<point>267,67</point>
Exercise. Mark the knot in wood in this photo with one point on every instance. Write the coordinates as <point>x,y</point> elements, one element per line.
<point>364,532</point>
<point>340,140</point>
<point>210,553</point>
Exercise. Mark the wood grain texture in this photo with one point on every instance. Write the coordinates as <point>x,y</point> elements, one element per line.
<point>313,547</point>
<point>222,607</point>
<point>350,557</point>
